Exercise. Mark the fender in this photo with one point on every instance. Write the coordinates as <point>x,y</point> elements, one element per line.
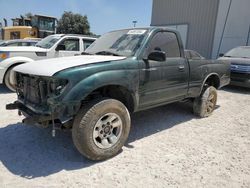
<point>14,60</point>
<point>204,81</point>
<point>128,79</point>
<point>9,62</point>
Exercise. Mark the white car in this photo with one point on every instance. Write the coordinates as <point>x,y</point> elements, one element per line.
<point>58,45</point>
<point>19,42</point>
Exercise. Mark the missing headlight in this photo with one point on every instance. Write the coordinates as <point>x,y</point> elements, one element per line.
<point>57,86</point>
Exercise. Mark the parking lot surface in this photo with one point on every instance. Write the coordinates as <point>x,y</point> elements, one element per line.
<point>167,147</point>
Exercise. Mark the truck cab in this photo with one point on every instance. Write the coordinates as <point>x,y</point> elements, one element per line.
<point>53,46</point>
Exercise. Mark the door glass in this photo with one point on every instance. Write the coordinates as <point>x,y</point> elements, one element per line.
<point>187,54</point>
<point>195,55</point>
<point>87,43</point>
<point>71,44</point>
<point>166,42</point>
<point>14,44</point>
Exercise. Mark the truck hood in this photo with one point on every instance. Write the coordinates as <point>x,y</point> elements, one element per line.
<point>49,67</point>
<point>22,49</point>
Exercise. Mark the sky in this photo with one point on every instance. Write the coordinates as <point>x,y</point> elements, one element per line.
<point>103,15</point>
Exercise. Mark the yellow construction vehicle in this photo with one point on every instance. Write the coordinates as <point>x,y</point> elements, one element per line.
<point>37,26</point>
<point>19,32</point>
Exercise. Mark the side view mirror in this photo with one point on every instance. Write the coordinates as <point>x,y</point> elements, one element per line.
<point>60,47</point>
<point>157,56</point>
<point>221,55</point>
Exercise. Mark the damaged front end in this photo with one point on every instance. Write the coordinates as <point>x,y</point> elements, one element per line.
<point>40,101</point>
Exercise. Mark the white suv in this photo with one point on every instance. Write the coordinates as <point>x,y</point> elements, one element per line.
<point>58,45</point>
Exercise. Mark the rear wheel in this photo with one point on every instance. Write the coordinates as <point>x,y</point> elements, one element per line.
<point>101,129</point>
<point>204,105</point>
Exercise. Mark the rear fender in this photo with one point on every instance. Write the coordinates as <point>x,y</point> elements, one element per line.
<point>206,78</point>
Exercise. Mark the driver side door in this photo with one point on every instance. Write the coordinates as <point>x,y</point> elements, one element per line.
<point>163,81</point>
<point>68,47</point>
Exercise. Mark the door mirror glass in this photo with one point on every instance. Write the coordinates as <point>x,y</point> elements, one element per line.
<point>60,47</point>
<point>157,56</point>
<point>221,55</point>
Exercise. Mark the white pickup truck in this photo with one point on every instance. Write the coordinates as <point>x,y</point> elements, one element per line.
<point>58,45</point>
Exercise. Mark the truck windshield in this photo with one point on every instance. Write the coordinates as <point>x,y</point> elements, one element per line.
<point>48,42</point>
<point>120,43</point>
<point>240,52</point>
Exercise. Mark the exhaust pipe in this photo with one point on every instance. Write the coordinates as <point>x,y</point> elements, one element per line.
<point>23,21</point>
<point>5,22</point>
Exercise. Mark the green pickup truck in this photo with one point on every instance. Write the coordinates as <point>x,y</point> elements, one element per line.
<point>122,72</point>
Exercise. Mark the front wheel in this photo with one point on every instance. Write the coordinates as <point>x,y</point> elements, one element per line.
<point>101,129</point>
<point>204,105</point>
<point>8,79</point>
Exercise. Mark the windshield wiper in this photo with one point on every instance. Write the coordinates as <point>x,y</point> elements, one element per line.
<point>39,46</point>
<point>107,53</point>
<point>86,53</point>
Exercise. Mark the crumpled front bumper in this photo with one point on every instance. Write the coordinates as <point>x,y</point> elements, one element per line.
<point>30,116</point>
<point>63,113</point>
<point>240,79</point>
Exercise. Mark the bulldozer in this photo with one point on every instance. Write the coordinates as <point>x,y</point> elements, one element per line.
<point>37,26</point>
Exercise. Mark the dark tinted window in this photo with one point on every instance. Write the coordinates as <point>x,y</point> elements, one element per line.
<point>15,35</point>
<point>167,42</point>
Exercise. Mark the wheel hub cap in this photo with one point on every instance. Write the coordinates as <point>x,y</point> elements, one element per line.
<point>211,103</point>
<point>107,130</point>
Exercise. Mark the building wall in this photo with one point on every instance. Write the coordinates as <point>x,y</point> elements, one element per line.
<point>234,19</point>
<point>199,15</point>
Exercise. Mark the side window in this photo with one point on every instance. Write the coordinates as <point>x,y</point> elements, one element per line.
<point>13,44</point>
<point>167,42</point>
<point>15,35</point>
<point>195,55</point>
<point>71,44</point>
<point>187,54</point>
<point>86,43</point>
<point>25,44</point>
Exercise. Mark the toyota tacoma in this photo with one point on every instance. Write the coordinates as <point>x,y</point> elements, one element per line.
<point>122,72</point>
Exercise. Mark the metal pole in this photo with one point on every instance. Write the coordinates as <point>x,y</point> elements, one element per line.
<point>224,27</point>
<point>134,22</point>
<point>248,36</point>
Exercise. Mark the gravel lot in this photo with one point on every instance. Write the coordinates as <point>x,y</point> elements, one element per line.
<point>167,147</point>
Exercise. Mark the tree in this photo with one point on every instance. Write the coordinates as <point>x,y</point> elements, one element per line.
<point>71,23</point>
<point>29,15</point>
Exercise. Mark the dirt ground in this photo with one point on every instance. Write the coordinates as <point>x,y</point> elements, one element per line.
<point>167,147</point>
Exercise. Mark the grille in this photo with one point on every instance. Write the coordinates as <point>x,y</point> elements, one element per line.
<point>32,89</point>
<point>240,68</point>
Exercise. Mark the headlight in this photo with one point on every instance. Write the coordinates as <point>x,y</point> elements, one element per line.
<point>4,55</point>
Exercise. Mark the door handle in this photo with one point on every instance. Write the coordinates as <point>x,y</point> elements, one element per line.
<point>181,68</point>
<point>150,69</point>
<point>76,54</point>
